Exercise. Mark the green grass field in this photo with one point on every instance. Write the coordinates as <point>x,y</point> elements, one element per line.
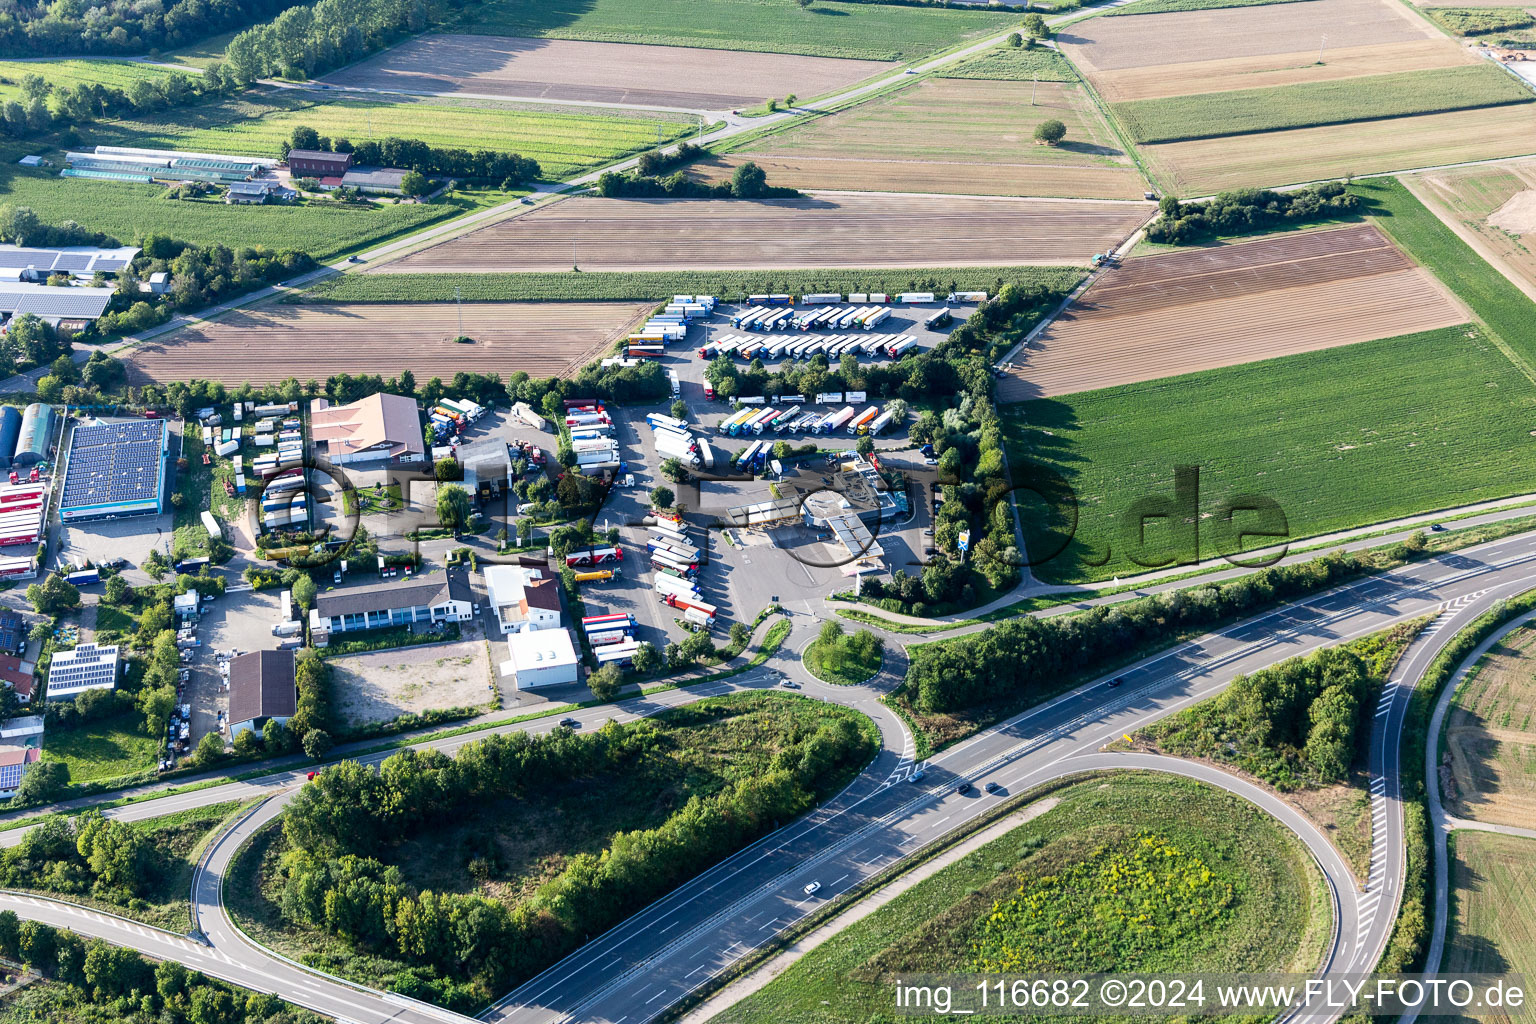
<point>1014,64</point>
<point>117,74</point>
<point>1493,883</point>
<point>130,211</point>
<point>1339,438</point>
<point>1243,111</point>
<point>642,285</point>
<point>103,749</point>
<point>1480,21</point>
<point>1421,234</point>
<point>256,124</point>
<point>1168,6</point>
<point>826,29</point>
<point>1271,913</point>
<point>842,665</point>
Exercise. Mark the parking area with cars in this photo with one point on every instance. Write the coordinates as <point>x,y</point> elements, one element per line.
<point>236,623</point>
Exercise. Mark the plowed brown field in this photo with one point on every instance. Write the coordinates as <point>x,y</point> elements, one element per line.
<point>1158,40</point>
<point>827,230</point>
<point>565,69</point>
<point>274,342</point>
<point>1277,69</point>
<point>1481,203</point>
<point>950,135</point>
<point>1158,316</point>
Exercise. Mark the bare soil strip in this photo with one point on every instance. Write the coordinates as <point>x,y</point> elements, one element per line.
<point>827,230</point>
<point>1163,315</point>
<point>275,341</point>
<point>1265,70</point>
<point>619,73</point>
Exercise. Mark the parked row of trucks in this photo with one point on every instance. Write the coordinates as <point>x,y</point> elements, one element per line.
<point>591,429</point>
<point>742,346</point>
<point>675,441</point>
<point>451,415</point>
<point>785,418</point>
<point>668,326</point>
<point>675,568</point>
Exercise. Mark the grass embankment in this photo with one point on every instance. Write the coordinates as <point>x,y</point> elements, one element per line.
<point>845,662</point>
<point>1014,64</point>
<point>1311,104</point>
<point>1489,742</point>
<point>507,849</point>
<point>1392,428</point>
<point>256,123</point>
<point>658,285</point>
<point>1499,304</point>
<point>175,842</point>
<point>827,29</point>
<point>104,748</point>
<point>1507,26</point>
<point>1262,904</point>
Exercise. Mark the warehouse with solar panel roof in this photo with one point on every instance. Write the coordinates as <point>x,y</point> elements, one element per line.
<point>113,470</point>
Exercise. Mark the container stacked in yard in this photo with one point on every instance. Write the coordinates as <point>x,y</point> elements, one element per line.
<point>594,556</point>
<point>22,508</point>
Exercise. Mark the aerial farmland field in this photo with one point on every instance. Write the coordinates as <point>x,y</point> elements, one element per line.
<point>829,230</point>
<point>1490,737</point>
<point>951,135</point>
<point>564,141</point>
<point>602,72</point>
<point>116,74</point>
<point>1339,438</point>
<point>1495,204</point>
<point>827,29</point>
<point>273,342</point>
<point>1157,316</point>
<point>1493,886</point>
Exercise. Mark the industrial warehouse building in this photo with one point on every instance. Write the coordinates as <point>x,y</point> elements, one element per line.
<point>379,428</point>
<point>115,470</point>
<point>25,263</point>
<point>318,163</point>
<point>33,437</point>
<point>64,307</point>
<point>543,658</point>
<point>87,667</point>
<point>442,596</point>
<point>261,688</point>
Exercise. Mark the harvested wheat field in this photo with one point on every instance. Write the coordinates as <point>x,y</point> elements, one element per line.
<point>1333,151</point>
<point>275,341</point>
<point>1490,738</point>
<point>1264,70</point>
<point>1158,316</point>
<point>1493,207</point>
<point>1157,40</point>
<point>825,230</point>
<point>620,73</point>
<point>950,135</point>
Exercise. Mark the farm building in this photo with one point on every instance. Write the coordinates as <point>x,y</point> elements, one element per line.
<point>14,764</point>
<point>442,596</point>
<point>55,305</point>
<point>121,163</point>
<point>317,163</point>
<point>36,431</point>
<point>115,469</point>
<point>375,179</point>
<point>22,509</point>
<point>10,432</point>
<point>87,667</point>
<point>524,600</point>
<point>81,261</point>
<point>374,429</point>
<point>257,192</point>
<point>18,675</point>
<point>261,688</point>
<point>545,658</point>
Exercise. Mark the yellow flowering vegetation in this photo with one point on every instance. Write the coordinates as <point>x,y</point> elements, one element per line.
<point>1107,911</point>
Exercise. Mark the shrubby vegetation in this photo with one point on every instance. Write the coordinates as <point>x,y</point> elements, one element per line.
<point>748,181</point>
<point>51,27</point>
<point>306,41</point>
<point>44,107</point>
<point>338,829</point>
<point>1248,210</point>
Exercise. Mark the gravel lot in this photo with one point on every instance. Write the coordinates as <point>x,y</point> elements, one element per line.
<point>386,684</point>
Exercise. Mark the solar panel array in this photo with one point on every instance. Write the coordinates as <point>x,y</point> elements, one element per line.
<point>78,259</point>
<point>86,667</point>
<point>113,463</point>
<point>64,303</point>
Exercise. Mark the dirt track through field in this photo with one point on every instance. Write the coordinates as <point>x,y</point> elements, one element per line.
<point>275,341</point>
<point>1159,316</point>
<point>564,69</point>
<point>826,230</point>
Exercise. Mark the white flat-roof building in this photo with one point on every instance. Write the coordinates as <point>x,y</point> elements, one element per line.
<point>524,599</point>
<point>542,658</point>
<point>87,667</point>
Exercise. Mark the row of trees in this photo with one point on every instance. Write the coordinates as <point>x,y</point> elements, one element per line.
<point>87,855</point>
<point>350,813</point>
<point>748,181</point>
<point>1248,210</point>
<point>44,107</point>
<point>51,27</point>
<point>1028,656</point>
<point>122,985</point>
<point>414,155</point>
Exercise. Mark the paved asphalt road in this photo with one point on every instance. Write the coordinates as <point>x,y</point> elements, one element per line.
<point>634,972</point>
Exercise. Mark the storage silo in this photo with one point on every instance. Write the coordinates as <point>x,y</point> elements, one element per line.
<point>36,429</point>
<point>10,431</point>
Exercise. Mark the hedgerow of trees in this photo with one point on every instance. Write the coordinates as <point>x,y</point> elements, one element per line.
<point>338,827</point>
<point>1248,210</point>
<point>44,107</point>
<point>509,169</point>
<point>51,27</point>
<point>748,181</point>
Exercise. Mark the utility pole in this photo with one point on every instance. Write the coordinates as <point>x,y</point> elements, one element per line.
<point>1320,43</point>
<point>1033,87</point>
<point>458,297</point>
